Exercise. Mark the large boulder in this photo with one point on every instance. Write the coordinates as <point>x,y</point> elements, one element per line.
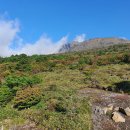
<point>127,111</point>
<point>118,117</point>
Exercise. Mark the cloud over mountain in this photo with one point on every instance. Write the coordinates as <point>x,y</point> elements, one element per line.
<point>44,45</point>
<point>11,43</point>
<point>80,38</point>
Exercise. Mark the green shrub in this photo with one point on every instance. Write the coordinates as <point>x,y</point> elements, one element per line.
<point>23,64</point>
<point>126,58</point>
<point>41,58</point>
<point>73,66</point>
<point>27,97</point>
<point>50,65</point>
<point>8,112</point>
<point>5,95</point>
<point>88,75</point>
<point>21,81</point>
<point>52,87</point>
<point>101,52</point>
<point>86,60</point>
<point>60,107</point>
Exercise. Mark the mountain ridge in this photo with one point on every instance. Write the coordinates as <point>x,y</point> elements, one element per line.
<point>92,44</point>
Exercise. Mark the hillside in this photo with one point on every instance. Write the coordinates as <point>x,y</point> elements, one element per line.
<point>61,91</point>
<point>92,44</point>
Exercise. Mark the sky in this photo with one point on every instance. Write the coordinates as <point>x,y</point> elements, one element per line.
<point>43,26</point>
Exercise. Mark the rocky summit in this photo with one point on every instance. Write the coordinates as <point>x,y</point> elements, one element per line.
<point>92,44</point>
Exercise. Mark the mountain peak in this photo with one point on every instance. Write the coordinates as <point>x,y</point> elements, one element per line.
<point>92,43</point>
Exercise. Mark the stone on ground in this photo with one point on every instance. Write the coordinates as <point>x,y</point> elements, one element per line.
<point>127,111</point>
<point>118,117</point>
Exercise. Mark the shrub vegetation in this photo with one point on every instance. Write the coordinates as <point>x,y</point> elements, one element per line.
<point>43,89</point>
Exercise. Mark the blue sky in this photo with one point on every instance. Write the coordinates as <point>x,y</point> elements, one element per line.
<point>59,18</point>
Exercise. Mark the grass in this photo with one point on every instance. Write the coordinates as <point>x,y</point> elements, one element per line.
<point>64,78</point>
<point>107,76</point>
<point>10,117</point>
<point>60,107</point>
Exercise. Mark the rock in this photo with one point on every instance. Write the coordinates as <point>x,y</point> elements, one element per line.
<point>105,110</point>
<point>110,107</point>
<point>116,109</point>
<point>127,111</point>
<point>118,117</point>
<point>98,110</point>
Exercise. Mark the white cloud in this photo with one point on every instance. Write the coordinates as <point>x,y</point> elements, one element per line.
<point>8,32</point>
<point>12,43</point>
<point>124,38</point>
<point>43,46</point>
<point>80,38</point>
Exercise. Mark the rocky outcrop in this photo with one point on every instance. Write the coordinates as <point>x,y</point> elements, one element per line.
<point>118,113</point>
<point>118,117</point>
<point>103,120</point>
<point>127,111</point>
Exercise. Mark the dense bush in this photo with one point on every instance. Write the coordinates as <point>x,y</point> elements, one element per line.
<point>40,58</point>
<point>126,58</point>
<point>101,52</point>
<point>27,97</point>
<point>23,63</point>
<point>86,60</point>
<point>5,95</point>
<point>73,66</point>
<point>123,86</point>
<point>21,81</point>
<point>50,65</point>
<point>12,84</point>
